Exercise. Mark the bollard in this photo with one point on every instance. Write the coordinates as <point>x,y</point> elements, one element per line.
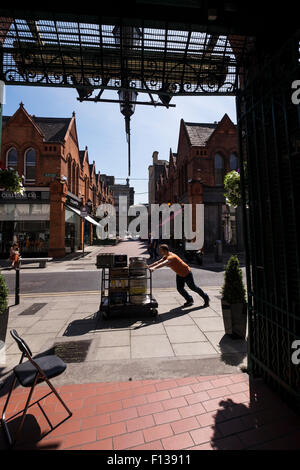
<point>17,287</point>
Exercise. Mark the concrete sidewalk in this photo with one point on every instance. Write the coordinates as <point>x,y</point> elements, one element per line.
<point>140,347</point>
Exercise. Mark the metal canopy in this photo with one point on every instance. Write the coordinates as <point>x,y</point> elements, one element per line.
<point>88,56</point>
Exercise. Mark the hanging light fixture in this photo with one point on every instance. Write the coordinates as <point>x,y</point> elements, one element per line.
<point>127,38</point>
<point>127,107</point>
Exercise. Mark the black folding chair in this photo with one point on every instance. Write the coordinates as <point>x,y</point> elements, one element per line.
<point>29,374</point>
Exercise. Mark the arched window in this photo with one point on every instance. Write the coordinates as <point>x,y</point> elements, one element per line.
<point>234,162</point>
<point>30,164</point>
<point>77,181</point>
<point>69,173</point>
<point>73,178</point>
<point>12,158</point>
<point>219,170</point>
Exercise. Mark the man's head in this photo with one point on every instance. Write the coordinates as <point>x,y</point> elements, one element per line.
<point>164,250</point>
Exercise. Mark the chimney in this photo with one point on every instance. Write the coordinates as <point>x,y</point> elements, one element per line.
<point>155,157</point>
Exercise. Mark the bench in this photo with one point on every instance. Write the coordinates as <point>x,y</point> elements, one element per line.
<point>42,261</point>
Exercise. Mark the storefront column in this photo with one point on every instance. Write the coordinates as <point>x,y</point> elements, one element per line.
<point>81,232</point>
<point>91,234</point>
<point>58,194</point>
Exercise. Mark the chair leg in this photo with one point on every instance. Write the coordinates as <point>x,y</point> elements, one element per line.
<point>58,396</point>
<point>3,420</point>
<point>25,411</point>
<point>11,441</point>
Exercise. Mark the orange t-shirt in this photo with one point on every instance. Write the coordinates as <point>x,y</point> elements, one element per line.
<point>176,263</point>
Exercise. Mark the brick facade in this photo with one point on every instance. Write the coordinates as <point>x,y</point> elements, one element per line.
<point>60,166</point>
<point>191,177</point>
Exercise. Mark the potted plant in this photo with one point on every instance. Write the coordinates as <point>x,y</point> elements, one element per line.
<point>234,306</point>
<point>4,309</point>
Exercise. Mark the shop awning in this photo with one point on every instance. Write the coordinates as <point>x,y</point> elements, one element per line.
<point>88,218</point>
<point>91,220</point>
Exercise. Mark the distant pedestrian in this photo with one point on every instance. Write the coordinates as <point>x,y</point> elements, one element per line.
<point>155,247</point>
<point>183,272</point>
<point>150,246</point>
<point>14,256</point>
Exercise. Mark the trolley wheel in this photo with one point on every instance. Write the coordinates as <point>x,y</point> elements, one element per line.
<point>154,312</point>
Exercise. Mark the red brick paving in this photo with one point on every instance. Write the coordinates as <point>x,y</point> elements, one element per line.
<point>195,413</point>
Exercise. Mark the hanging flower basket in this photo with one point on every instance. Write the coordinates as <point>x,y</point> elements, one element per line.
<point>11,181</point>
<point>232,187</point>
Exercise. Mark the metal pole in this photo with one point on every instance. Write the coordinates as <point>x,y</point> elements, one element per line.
<point>83,236</point>
<point>17,288</point>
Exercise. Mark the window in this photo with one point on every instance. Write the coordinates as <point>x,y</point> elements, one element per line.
<point>219,170</point>
<point>234,162</point>
<point>30,165</point>
<point>12,158</point>
<point>69,174</point>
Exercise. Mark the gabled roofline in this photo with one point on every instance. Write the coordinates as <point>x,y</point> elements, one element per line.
<point>22,109</point>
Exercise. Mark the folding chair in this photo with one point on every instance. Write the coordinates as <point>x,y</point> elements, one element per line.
<point>29,374</point>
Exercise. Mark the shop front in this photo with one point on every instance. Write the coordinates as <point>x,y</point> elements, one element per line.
<point>73,224</point>
<point>25,219</point>
<point>78,230</point>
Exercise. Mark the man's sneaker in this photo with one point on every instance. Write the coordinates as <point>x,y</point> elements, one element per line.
<point>206,301</point>
<point>188,303</point>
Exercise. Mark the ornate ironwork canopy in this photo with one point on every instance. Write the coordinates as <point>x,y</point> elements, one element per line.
<point>165,61</point>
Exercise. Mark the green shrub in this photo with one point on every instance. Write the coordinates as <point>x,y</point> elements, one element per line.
<point>3,294</point>
<point>11,181</point>
<point>233,290</point>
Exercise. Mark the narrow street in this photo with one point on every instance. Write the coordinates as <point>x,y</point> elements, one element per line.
<point>81,274</point>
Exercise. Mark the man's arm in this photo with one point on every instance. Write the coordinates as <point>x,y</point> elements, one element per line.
<point>156,263</point>
<point>159,265</point>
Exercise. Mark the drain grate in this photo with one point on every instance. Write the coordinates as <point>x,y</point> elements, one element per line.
<point>72,351</point>
<point>33,309</point>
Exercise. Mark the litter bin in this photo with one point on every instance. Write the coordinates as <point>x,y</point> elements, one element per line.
<point>218,251</point>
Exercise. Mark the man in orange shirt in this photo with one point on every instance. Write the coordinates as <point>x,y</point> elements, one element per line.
<point>183,275</point>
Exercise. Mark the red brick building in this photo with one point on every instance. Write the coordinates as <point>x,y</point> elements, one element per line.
<point>195,175</point>
<point>58,181</point>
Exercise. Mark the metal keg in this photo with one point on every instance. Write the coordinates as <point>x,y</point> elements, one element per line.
<point>137,266</point>
<point>138,289</point>
<point>138,280</point>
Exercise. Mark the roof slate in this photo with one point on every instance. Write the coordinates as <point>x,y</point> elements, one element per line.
<point>199,133</point>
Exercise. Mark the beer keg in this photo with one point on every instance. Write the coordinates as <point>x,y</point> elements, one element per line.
<point>138,280</point>
<point>137,266</point>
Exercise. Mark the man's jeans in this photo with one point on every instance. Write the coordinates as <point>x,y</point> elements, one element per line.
<point>189,280</point>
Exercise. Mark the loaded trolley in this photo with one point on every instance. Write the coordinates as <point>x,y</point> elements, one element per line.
<point>125,289</point>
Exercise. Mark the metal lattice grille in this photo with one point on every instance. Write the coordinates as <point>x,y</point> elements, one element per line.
<point>113,56</point>
<point>270,128</point>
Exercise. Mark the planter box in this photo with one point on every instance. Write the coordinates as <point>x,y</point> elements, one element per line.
<point>235,319</point>
<point>3,324</point>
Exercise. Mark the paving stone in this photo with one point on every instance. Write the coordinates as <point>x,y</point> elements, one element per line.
<point>148,329</point>
<point>224,344</point>
<point>46,326</point>
<point>113,338</point>
<point>118,352</point>
<point>151,346</point>
<point>176,320</point>
<point>210,324</point>
<point>184,334</point>
<point>194,349</point>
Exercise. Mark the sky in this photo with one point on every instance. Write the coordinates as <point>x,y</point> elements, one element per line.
<point>101,126</point>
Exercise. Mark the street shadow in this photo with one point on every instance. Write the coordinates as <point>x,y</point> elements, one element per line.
<point>266,422</point>
<point>233,350</point>
<point>118,320</point>
<point>30,435</point>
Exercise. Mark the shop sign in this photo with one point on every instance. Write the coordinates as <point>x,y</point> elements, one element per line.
<point>73,202</point>
<point>83,212</point>
<point>9,196</point>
